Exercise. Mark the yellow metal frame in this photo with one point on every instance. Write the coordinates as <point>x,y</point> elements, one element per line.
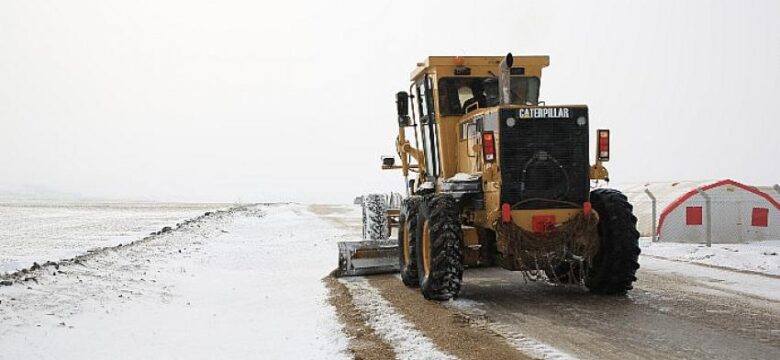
<point>425,245</point>
<point>454,155</point>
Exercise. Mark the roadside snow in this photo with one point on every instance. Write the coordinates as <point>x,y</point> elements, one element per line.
<point>406,340</point>
<point>244,284</point>
<point>45,230</point>
<point>727,281</point>
<point>761,257</point>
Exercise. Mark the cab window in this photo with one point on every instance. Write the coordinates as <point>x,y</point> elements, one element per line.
<point>459,95</point>
<point>428,125</point>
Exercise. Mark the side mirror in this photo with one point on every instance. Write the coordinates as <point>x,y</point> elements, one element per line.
<point>402,103</point>
<point>388,161</point>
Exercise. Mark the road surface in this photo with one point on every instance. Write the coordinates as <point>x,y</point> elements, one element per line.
<point>676,310</point>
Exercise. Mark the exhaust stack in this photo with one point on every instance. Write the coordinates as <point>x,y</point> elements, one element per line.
<point>504,77</point>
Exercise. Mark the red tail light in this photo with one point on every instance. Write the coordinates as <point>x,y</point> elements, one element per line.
<point>506,213</point>
<point>488,146</point>
<point>603,145</point>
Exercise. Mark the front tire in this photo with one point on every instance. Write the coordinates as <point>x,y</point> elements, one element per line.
<point>613,269</point>
<point>439,248</point>
<point>375,217</point>
<point>407,241</point>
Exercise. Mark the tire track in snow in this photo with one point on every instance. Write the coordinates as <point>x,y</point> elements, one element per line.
<point>364,342</point>
<point>406,340</point>
<point>522,343</point>
<point>528,345</point>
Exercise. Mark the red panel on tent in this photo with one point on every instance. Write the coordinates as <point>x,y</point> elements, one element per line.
<point>760,217</point>
<point>693,215</point>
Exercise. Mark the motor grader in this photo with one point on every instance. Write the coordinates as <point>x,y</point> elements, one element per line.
<point>499,179</point>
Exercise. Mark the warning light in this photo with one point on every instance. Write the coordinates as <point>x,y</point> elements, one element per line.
<point>602,153</point>
<point>488,146</point>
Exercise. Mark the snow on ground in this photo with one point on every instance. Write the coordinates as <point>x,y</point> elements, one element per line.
<point>239,284</point>
<point>406,340</point>
<point>762,257</point>
<point>45,230</point>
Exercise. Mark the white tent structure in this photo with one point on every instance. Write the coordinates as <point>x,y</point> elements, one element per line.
<point>723,211</point>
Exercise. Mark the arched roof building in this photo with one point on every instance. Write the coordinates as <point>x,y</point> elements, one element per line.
<point>738,213</point>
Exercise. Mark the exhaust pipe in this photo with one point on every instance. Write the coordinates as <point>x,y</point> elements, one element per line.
<point>504,77</point>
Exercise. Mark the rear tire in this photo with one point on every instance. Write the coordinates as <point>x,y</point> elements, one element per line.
<point>613,269</point>
<point>439,248</point>
<point>375,217</point>
<point>407,241</point>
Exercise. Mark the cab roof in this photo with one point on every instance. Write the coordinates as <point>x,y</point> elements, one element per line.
<point>532,63</point>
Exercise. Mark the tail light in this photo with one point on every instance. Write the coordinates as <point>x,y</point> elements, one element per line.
<point>488,146</point>
<point>506,213</point>
<point>603,145</point>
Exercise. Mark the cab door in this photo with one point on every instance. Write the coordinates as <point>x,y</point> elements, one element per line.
<point>468,147</point>
<point>428,127</point>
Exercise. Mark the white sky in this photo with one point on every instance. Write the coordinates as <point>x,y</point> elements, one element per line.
<point>255,101</point>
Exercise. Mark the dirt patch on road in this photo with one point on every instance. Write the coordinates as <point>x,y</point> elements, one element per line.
<point>454,333</point>
<point>364,343</point>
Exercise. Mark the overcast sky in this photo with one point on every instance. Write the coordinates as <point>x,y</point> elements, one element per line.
<point>288,100</point>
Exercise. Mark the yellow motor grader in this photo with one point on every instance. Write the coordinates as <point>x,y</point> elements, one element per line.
<point>502,179</point>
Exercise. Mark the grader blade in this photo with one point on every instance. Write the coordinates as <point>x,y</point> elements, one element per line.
<point>367,257</point>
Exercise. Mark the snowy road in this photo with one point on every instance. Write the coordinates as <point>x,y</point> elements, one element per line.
<point>677,310</point>
<point>248,283</point>
<point>667,316</point>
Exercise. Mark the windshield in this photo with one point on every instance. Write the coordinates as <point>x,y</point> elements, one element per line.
<point>459,95</point>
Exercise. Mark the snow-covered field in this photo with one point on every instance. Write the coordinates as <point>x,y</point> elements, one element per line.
<point>239,284</point>
<point>761,257</point>
<point>41,231</point>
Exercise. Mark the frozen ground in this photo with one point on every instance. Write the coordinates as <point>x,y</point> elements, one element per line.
<point>245,283</point>
<point>40,231</point>
<point>761,257</point>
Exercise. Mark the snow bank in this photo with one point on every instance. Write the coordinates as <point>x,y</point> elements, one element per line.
<point>761,257</point>
<point>44,230</point>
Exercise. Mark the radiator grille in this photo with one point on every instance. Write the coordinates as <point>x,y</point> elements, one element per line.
<point>544,158</point>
